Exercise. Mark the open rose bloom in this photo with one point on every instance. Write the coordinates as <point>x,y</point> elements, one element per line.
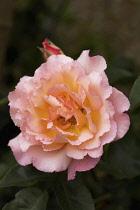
<point>66,112</point>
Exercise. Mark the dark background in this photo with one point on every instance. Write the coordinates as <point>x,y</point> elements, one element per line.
<point>107,27</point>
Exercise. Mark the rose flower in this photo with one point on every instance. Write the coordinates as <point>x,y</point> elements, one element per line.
<point>66,112</point>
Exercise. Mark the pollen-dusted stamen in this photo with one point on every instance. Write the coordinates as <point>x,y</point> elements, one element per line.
<point>72,120</point>
<point>62,120</point>
<point>83,110</point>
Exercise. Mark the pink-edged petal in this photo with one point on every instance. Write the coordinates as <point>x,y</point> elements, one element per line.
<point>34,137</point>
<point>70,75</point>
<point>110,135</point>
<point>99,84</point>
<point>52,101</point>
<point>81,165</point>
<point>105,86</point>
<point>83,137</point>
<point>65,112</point>
<point>60,139</point>
<point>61,58</point>
<point>34,123</point>
<point>84,82</point>
<point>123,123</point>
<point>95,78</point>
<point>58,89</point>
<point>103,126</point>
<point>17,116</point>
<point>80,118</point>
<point>52,113</point>
<point>91,125</point>
<point>93,98</point>
<point>104,123</point>
<point>24,144</point>
<point>52,147</point>
<point>42,72</point>
<point>47,140</point>
<point>109,108</point>
<point>49,161</point>
<point>55,62</point>
<point>26,85</point>
<point>119,101</point>
<point>93,143</point>
<point>60,131</point>
<point>74,152</point>
<point>20,156</point>
<point>95,63</point>
<point>76,98</point>
<point>96,153</point>
<point>19,99</point>
<point>82,93</point>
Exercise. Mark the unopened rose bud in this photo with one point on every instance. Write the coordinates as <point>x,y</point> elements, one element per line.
<point>50,49</point>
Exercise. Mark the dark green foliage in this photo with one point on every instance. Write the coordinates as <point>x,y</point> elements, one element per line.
<point>29,198</point>
<point>135,94</point>
<point>122,158</point>
<point>73,195</point>
<point>12,174</point>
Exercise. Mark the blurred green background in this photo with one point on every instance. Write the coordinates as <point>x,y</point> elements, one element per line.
<point>107,27</point>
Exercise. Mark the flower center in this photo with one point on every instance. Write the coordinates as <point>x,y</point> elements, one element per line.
<point>64,124</point>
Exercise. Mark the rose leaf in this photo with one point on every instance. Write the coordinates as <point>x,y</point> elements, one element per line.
<point>122,157</point>
<point>28,198</point>
<point>73,195</point>
<point>13,174</point>
<point>135,94</point>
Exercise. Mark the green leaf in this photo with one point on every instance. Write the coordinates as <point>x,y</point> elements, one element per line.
<point>73,195</point>
<point>122,159</point>
<point>135,122</point>
<point>4,101</point>
<point>121,70</point>
<point>135,94</point>
<point>116,74</point>
<point>28,199</point>
<point>13,174</point>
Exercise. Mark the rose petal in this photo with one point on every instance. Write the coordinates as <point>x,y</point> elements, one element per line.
<point>93,143</point>
<point>123,123</point>
<point>110,135</point>
<point>74,152</point>
<point>91,125</point>
<point>49,161</point>
<point>55,62</point>
<point>119,101</point>
<point>52,146</point>
<point>81,165</point>
<point>20,156</point>
<point>24,144</point>
<point>85,135</point>
<point>96,153</point>
<point>95,63</point>
<point>52,101</point>
<point>99,84</point>
<point>94,100</point>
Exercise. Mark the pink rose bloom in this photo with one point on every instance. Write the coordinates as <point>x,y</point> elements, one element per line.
<point>66,112</point>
